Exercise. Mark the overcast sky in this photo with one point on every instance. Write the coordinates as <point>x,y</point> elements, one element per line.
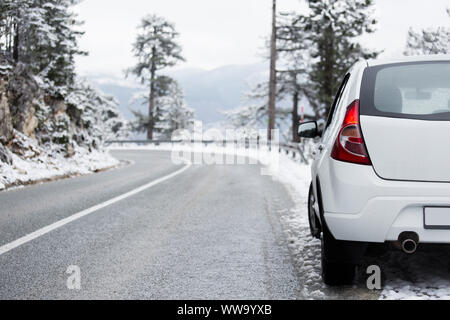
<point>214,33</point>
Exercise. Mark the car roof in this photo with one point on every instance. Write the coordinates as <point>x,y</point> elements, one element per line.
<point>401,59</point>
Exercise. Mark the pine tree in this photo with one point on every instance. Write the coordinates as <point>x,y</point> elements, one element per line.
<point>38,44</point>
<point>174,114</point>
<point>429,41</point>
<point>17,17</point>
<point>171,111</point>
<point>56,55</point>
<point>161,87</point>
<point>333,28</point>
<point>156,48</point>
<point>42,36</point>
<point>94,116</point>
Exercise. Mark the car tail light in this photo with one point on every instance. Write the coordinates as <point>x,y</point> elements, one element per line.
<point>349,145</point>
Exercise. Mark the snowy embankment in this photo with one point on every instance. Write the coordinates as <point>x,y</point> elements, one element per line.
<point>421,276</point>
<point>39,165</point>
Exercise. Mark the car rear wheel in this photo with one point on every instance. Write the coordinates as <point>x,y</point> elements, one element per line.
<point>339,257</point>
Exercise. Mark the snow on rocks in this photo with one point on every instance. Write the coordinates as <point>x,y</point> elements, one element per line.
<point>36,164</point>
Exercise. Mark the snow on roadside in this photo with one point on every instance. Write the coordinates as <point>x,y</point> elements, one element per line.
<point>296,178</point>
<point>48,166</point>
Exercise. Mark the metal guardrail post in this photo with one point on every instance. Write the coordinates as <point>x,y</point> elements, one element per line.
<point>302,155</point>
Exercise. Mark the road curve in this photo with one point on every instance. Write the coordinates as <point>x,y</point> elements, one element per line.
<point>211,232</point>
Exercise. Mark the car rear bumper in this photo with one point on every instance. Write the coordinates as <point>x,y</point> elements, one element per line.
<point>360,206</point>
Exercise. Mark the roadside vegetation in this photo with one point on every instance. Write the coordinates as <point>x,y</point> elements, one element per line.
<point>314,49</point>
<point>50,119</point>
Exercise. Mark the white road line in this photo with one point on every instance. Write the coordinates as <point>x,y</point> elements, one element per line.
<point>36,234</point>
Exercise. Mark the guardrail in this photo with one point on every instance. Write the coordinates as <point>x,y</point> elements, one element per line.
<point>291,149</point>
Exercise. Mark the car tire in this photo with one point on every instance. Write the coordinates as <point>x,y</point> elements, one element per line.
<point>339,257</point>
<point>314,222</point>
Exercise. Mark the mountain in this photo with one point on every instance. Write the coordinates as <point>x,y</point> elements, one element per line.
<point>208,92</point>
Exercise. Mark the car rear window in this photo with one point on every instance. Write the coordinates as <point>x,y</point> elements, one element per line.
<point>407,90</point>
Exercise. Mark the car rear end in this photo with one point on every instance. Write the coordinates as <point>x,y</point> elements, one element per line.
<point>390,168</point>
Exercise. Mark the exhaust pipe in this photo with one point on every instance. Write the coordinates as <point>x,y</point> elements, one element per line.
<point>408,242</point>
<point>409,246</point>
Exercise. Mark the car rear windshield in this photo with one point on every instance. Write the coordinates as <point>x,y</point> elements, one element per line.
<point>407,90</point>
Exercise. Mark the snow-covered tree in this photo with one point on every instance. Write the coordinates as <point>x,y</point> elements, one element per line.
<point>161,88</point>
<point>94,116</point>
<point>171,111</point>
<point>429,41</point>
<point>156,48</point>
<point>174,114</point>
<point>44,99</point>
<point>293,65</point>
<point>249,115</point>
<point>56,54</point>
<point>41,35</point>
<point>332,29</point>
<point>253,113</point>
<point>315,49</point>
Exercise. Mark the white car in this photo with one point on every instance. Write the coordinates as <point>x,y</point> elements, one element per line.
<point>381,172</point>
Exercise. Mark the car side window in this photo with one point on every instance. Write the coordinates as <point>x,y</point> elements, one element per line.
<point>337,99</point>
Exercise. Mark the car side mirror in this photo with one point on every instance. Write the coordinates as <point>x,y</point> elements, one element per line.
<point>308,129</point>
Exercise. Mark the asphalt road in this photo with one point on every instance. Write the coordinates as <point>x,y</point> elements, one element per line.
<point>211,232</point>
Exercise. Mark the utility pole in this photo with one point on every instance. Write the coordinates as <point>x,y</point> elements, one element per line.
<point>151,108</point>
<point>273,76</point>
